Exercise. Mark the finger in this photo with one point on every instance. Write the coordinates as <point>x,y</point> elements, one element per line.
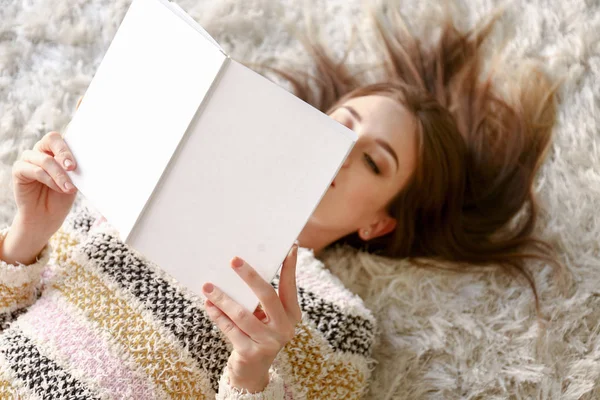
<point>53,144</point>
<point>27,173</point>
<point>288,291</point>
<point>238,339</point>
<point>78,103</point>
<point>50,165</point>
<point>270,301</point>
<point>239,315</point>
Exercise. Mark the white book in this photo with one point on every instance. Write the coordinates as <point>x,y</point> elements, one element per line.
<point>195,158</point>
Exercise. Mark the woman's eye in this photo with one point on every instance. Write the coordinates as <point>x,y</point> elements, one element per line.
<point>371,163</point>
<point>347,122</point>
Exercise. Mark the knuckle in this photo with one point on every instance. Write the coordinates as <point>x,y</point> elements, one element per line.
<point>217,316</point>
<point>218,299</point>
<point>63,152</point>
<point>53,135</point>
<point>39,173</point>
<point>227,327</point>
<point>241,314</point>
<point>251,274</point>
<point>47,161</point>
<point>219,319</point>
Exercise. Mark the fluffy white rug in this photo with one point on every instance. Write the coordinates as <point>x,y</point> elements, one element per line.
<point>443,336</point>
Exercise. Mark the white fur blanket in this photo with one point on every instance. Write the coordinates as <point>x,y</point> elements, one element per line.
<point>443,336</point>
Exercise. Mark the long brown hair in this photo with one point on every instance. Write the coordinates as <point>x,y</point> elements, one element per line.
<point>470,199</point>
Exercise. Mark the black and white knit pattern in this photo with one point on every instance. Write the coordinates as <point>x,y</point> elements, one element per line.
<point>343,332</point>
<point>7,318</point>
<point>40,374</point>
<point>81,219</point>
<point>188,322</point>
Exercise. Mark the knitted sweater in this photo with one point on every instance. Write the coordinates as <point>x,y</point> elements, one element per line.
<point>93,319</point>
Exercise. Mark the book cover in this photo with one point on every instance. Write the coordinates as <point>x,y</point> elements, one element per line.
<point>195,158</point>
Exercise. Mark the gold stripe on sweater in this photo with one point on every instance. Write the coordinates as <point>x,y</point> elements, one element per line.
<point>8,388</point>
<point>7,391</point>
<point>161,360</point>
<point>318,373</point>
<point>62,243</point>
<point>21,296</point>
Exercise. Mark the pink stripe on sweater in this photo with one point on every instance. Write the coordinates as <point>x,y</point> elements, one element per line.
<point>85,350</point>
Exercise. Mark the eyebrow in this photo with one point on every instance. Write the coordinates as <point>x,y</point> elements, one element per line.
<point>389,149</point>
<point>354,113</point>
<point>386,146</point>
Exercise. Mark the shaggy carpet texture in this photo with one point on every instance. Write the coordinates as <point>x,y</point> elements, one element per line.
<point>442,335</point>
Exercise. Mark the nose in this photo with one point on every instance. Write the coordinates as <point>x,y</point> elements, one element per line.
<point>346,163</point>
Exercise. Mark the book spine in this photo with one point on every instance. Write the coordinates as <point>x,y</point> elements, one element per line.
<point>181,143</point>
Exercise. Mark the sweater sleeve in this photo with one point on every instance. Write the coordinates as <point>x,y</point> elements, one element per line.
<point>330,356</point>
<point>20,285</point>
<point>273,391</point>
<point>309,367</point>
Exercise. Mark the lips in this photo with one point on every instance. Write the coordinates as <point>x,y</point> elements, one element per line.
<point>333,183</point>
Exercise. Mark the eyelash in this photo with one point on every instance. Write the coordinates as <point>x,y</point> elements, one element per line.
<point>371,163</point>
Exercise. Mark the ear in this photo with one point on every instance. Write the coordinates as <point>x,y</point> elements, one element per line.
<point>382,226</point>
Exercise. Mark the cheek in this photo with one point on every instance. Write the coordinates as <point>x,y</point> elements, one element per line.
<point>340,208</point>
<point>355,201</point>
<point>351,203</point>
<point>362,189</point>
<point>363,203</point>
<point>360,199</point>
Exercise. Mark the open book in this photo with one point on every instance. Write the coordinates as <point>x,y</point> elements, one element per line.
<point>195,158</point>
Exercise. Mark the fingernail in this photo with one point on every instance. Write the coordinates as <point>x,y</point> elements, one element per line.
<point>69,186</point>
<point>237,262</point>
<point>68,163</point>
<point>208,287</point>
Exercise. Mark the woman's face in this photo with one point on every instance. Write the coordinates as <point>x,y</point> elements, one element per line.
<point>378,167</point>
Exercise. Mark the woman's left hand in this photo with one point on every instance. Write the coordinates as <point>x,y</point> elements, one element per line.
<point>256,337</point>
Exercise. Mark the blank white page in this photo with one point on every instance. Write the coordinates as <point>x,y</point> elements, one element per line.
<point>137,108</point>
<point>253,167</point>
<point>180,11</point>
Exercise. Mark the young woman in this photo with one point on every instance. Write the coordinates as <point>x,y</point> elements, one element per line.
<point>442,169</point>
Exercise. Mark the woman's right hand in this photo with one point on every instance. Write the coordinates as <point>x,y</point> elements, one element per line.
<point>43,191</point>
<point>44,195</point>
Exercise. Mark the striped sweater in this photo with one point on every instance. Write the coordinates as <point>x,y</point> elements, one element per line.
<point>93,319</point>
